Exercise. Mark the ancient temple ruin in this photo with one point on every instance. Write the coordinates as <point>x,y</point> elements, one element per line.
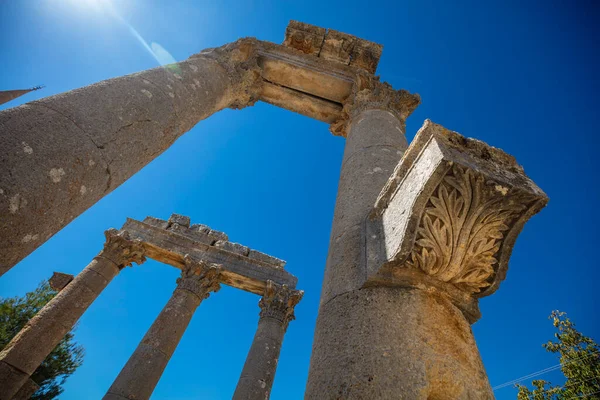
<point>420,231</point>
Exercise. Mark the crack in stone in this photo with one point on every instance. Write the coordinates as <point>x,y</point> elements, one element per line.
<point>99,147</point>
<point>363,149</point>
<point>172,101</point>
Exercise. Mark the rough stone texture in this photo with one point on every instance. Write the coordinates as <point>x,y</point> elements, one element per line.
<point>59,281</point>
<point>373,148</point>
<point>232,247</point>
<point>243,268</point>
<point>368,93</point>
<point>63,153</point>
<point>394,343</point>
<point>375,143</point>
<point>179,220</point>
<point>452,211</point>
<point>277,310</point>
<point>143,370</point>
<point>26,351</point>
<point>333,46</point>
<point>27,390</point>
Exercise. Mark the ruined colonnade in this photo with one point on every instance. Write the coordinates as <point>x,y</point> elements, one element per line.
<point>199,278</point>
<point>420,231</point>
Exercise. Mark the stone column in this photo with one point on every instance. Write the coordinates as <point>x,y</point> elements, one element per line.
<point>277,310</point>
<point>437,238</point>
<point>42,333</point>
<point>143,370</point>
<point>63,153</point>
<point>374,128</point>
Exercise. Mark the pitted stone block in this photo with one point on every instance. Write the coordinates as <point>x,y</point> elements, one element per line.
<point>200,228</point>
<point>257,255</point>
<point>159,223</point>
<point>449,216</point>
<point>180,220</point>
<point>304,37</point>
<point>218,235</point>
<point>232,247</point>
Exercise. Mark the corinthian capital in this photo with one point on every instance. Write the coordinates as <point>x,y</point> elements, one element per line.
<point>199,277</point>
<point>369,93</point>
<point>449,216</point>
<point>121,249</point>
<point>278,302</point>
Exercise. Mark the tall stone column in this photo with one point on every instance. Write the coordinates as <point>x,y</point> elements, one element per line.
<point>143,370</point>
<point>63,153</point>
<point>437,238</point>
<point>42,333</point>
<point>277,310</point>
<point>353,330</point>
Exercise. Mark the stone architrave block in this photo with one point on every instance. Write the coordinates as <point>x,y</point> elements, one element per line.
<point>179,220</point>
<point>304,37</point>
<point>232,247</point>
<point>243,268</point>
<point>257,255</point>
<point>449,216</point>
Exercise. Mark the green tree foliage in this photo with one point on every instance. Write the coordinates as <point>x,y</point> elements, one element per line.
<point>64,359</point>
<point>579,363</point>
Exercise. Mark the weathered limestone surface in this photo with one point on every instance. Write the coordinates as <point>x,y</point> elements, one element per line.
<point>277,310</point>
<point>438,238</point>
<point>27,390</point>
<point>374,146</point>
<point>139,376</point>
<point>26,351</point>
<point>397,343</point>
<point>59,281</point>
<point>243,268</point>
<point>63,153</point>
<point>448,218</point>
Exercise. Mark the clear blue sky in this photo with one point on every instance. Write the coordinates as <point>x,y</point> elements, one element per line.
<point>522,77</point>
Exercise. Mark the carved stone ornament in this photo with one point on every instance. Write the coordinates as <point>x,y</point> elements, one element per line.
<point>121,249</point>
<point>369,93</point>
<point>278,302</point>
<point>240,61</point>
<point>199,277</point>
<point>449,216</point>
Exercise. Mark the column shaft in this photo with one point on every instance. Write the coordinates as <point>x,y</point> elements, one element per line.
<point>277,310</point>
<point>259,370</point>
<point>383,342</point>
<point>63,153</point>
<point>26,351</point>
<point>143,370</point>
<point>374,145</point>
<point>395,343</point>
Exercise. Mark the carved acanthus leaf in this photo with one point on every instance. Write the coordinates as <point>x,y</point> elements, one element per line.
<point>121,249</point>
<point>199,277</point>
<point>462,228</point>
<point>278,302</point>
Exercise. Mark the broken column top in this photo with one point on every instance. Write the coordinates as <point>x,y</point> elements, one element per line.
<point>449,216</point>
<point>169,241</point>
<point>59,281</point>
<point>332,45</point>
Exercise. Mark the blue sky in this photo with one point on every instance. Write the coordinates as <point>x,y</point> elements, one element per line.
<point>522,77</point>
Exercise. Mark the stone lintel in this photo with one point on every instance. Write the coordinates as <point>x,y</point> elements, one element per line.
<point>242,267</point>
<point>448,217</point>
<point>333,46</point>
<point>59,280</point>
